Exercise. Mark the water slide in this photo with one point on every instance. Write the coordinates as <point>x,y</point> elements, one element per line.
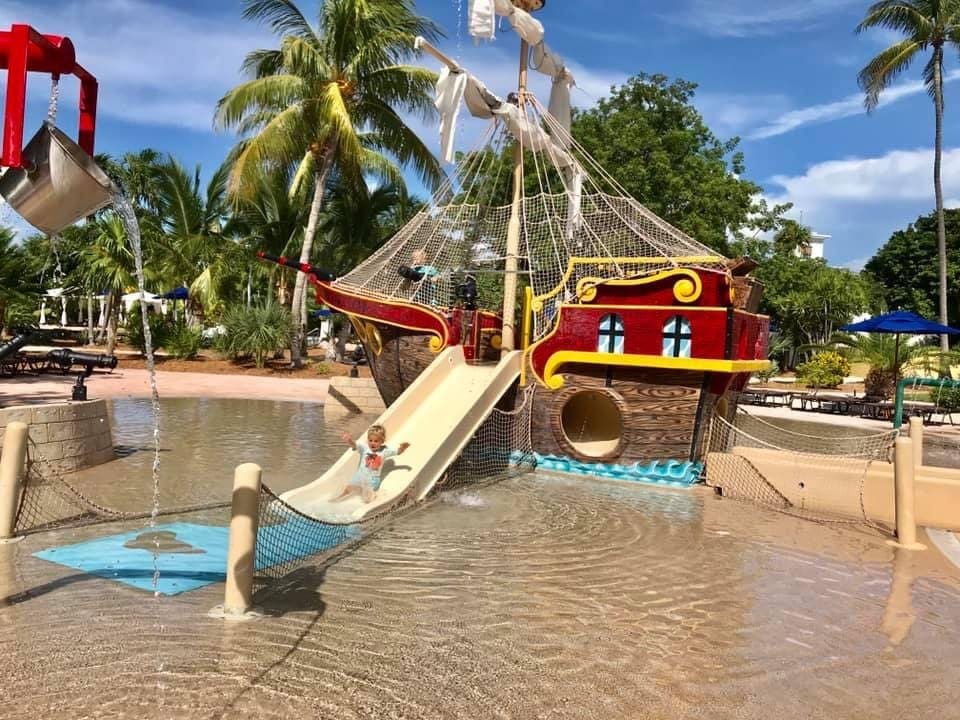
<point>437,414</point>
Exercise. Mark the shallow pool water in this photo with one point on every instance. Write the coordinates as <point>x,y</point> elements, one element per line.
<point>542,596</point>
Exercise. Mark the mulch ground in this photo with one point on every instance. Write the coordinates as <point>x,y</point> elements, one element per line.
<point>208,362</point>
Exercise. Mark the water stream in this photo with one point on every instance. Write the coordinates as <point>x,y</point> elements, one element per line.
<point>128,216</point>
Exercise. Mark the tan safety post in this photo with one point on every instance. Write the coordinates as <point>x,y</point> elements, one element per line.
<point>916,435</point>
<point>903,476</point>
<point>242,547</point>
<point>11,473</point>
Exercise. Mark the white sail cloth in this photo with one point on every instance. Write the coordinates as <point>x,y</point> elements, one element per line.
<point>450,88</point>
<point>531,136</point>
<point>482,21</point>
<point>479,100</point>
<point>549,63</point>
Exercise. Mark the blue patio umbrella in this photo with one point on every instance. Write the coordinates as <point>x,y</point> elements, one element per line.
<point>180,293</point>
<point>900,323</point>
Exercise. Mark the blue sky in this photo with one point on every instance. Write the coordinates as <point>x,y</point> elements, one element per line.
<point>780,74</point>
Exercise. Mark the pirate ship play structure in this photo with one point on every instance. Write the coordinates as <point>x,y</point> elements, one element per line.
<point>633,333</point>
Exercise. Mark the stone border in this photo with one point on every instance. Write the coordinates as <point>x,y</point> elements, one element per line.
<point>352,396</point>
<point>69,436</point>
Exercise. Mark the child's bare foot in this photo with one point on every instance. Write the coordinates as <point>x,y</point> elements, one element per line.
<point>368,496</point>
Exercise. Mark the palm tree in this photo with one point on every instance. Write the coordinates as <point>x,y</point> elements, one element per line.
<point>272,220</point>
<point>328,100</point>
<point>108,263</point>
<point>199,250</point>
<point>925,25</point>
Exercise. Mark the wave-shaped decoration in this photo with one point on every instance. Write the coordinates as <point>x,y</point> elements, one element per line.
<point>675,473</point>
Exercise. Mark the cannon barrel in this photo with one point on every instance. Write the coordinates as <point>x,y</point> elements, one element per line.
<point>14,344</point>
<point>90,361</point>
<point>319,273</point>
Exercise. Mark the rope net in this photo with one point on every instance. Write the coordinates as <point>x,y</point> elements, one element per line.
<point>821,478</point>
<point>571,208</point>
<point>286,537</point>
<point>48,501</point>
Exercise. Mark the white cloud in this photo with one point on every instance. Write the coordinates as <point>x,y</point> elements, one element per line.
<point>734,114</point>
<point>847,107</point>
<point>743,18</point>
<point>900,176</point>
<point>156,65</point>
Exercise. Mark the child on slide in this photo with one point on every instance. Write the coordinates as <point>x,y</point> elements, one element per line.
<point>366,480</point>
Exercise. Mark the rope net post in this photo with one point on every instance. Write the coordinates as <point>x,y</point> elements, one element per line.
<point>241,549</point>
<point>11,472</point>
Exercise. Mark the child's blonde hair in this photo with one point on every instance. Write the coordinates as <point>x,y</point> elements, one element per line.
<point>379,431</point>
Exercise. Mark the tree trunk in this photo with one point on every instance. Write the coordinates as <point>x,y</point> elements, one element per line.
<point>938,189</point>
<point>322,173</point>
<point>112,313</point>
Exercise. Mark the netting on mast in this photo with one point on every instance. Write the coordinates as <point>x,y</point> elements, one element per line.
<point>571,208</point>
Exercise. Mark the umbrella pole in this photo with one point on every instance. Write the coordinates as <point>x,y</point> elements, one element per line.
<point>896,360</point>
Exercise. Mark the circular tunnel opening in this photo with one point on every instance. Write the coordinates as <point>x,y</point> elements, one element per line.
<point>592,423</point>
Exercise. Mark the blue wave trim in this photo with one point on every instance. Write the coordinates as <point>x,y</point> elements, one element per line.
<point>673,473</point>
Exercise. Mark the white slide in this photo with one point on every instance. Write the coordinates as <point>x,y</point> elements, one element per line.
<point>438,415</point>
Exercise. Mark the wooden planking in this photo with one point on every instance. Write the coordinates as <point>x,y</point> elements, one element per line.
<point>404,356</point>
<point>658,410</point>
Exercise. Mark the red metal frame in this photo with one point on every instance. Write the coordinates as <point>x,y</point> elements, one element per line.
<point>23,50</point>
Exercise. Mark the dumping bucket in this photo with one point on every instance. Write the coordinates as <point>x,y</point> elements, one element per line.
<point>58,184</point>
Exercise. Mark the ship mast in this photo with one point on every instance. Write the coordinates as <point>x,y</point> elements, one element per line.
<point>509,334</point>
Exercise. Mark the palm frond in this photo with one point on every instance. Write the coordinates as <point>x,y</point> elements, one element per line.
<point>902,16</point>
<point>275,92</point>
<point>883,69</point>
<point>283,16</point>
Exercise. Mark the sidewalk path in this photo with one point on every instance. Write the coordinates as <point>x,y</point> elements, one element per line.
<point>135,383</point>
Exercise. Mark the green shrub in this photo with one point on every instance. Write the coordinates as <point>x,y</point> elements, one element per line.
<point>183,341</point>
<point>765,375</point>
<point>134,326</point>
<point>828,369</point>
<point>322,368</point>
<point>947,398</point>
<point>255,332</point>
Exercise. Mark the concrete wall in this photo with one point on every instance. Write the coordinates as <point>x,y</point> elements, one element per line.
<point>352,396</point>
<point>831,485</point>
<point>69,436</point>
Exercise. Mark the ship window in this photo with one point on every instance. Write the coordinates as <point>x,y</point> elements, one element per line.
<point>610,338</point>
<point>677,338</point>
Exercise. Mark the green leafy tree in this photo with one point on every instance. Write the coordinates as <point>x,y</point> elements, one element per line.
<point>925,26</point>
<point>808,301</point>
<point>14,291</point>
<point>329,100</point>
<point>791,237</point>
<point>906,267</point>
<point>652,139</point>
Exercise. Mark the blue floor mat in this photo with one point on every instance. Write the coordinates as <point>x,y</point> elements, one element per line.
<point>191,556</point>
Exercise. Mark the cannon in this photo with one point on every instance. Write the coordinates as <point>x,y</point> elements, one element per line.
<point>66,359</point>
<point>319,273</point>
